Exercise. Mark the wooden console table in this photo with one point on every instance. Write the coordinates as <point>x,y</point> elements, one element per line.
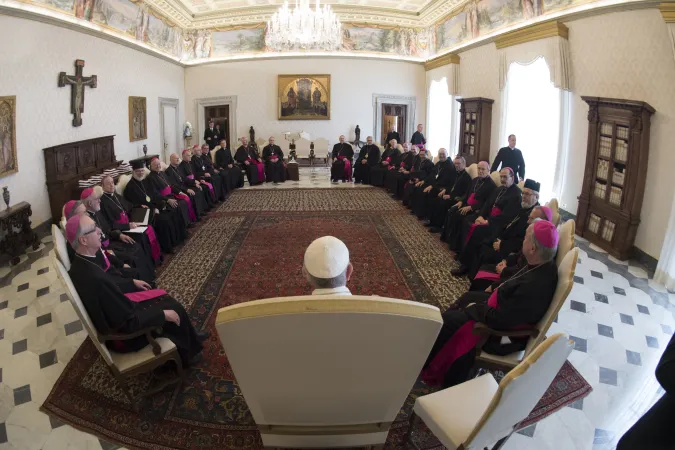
<point>15,222</point>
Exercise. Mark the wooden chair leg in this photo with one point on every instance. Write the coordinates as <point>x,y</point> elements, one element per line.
<point>412,423</point>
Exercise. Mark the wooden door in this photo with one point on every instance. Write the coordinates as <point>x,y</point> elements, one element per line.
<point>396,115</point>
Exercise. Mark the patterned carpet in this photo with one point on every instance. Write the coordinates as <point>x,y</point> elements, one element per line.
<point>252,248</point>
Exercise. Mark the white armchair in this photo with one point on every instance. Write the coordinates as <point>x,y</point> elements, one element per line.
<point>326,371</point>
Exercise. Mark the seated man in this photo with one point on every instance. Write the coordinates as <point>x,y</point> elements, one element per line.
<point>425,192</point>
<point>218,176</point>
<point>422,168</point>
<point>205,177</point>
<point>275,168</point>
<point>369,156</point>
<point>187,171</point>
<point>491,236</point>
<point>390,157</point>
<point>342,158</point>
<point>248,158</point>
<point>397,172</point>
<point>168,222</point>
<point>119,305</point>
<point>327,267</point>
<point>189,186</point>
<point>225,163</point>
<point>446,199</point>
<point>116,211</point>
<point>519,302</point>
<point>161,191</point>
<point>491,268</point>
<point>126,249</point>
<point>467,209</point>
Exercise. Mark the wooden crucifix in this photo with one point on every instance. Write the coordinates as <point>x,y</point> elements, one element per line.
<point>77,83</point>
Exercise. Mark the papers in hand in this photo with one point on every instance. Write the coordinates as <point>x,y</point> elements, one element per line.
<point>137,230</point>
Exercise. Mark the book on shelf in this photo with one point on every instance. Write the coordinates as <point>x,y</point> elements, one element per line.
<point>618,177</point>
<point>615,195</point>
<point>594,223</point>
<point>600,189</point>
<point>622,132</point>
<point>621,151</point>
<point>603,169</point>
<point>606,128</point>
<point>605,146</point>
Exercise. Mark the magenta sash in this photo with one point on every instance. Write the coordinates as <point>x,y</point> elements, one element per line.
<point>495,211</point>
<point>190,177</point>
<point>107,263</point>
<point>458,345</point>
<point>485,275</point>
<point>472,200</point>
<point>210,186</point>
<point>348,167</point>
<point>166,191</point>
<point>191,210</point>
<point>105,243</point>
<point>154,245</point>
<point>260,167</point>
<point>142,296</point>
<point>471,229</point>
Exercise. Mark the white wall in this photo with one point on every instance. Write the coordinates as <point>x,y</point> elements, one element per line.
<point>353,83</point>
<point>29,66</point>
<point>619,55</point>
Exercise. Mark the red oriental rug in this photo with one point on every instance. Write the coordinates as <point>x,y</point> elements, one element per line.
<point>252,248</point>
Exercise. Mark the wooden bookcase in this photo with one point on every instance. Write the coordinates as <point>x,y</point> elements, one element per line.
<point>616,172</point>
<point>475,126</point>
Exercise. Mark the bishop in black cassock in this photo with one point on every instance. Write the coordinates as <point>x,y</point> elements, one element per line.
<point>188,186</point>
<point>168,222</point>
<point>393,176</point>
<point>369,156</point>
<point>448,198</point>
<point>470,257</point>
<point>248,158</point>
<point>119,305</point>
<point>161,191</point>
<point>126,249</point>
<point>225,163</point>
<point>479,192</point>
<point>275,169</point>
<point>518,302</point>
<point>186,170</point>
<point>422,168</point>
<point>391,157</point>
<point>422,197</point>
<point>204,172</point>
<point>343,160</point>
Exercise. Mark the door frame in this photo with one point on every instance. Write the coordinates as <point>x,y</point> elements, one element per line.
<point>380,99</point>
<point>200,108</point>
<point>172,102</point>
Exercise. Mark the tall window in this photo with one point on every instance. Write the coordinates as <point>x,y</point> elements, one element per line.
<point>440,116</point>
<point>533,113</point>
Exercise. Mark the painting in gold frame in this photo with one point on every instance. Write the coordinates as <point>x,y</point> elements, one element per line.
<point>138,119</point>
<point>304,97</point>
<point>9,164</point>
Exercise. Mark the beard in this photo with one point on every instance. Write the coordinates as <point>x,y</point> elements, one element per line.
<point>138,177</point>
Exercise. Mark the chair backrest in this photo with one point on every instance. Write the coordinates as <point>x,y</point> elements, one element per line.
<point>495,177</point>
<point>565,282</point>
<point>472,170</point>
<point>260,142</point>
<point>555,209</point>
<point>521,185</point>
<point>60,246</point>
<point>565,241</point>
<point>302,148</point>
<point>519,391</point>
<point>212,153</point>
<point>122,182</point>
<point>82,312</point>
<point>311,360</point>
<point>320,147</point>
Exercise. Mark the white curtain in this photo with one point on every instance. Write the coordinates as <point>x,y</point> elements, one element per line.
<point>665,271</point>
<point>442,109</point>
<point>555,50</point>
<point>671,33</point>
<point>538,114</point>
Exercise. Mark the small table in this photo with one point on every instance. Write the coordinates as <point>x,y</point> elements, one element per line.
<point>15,222</point>
<point>293,172</point>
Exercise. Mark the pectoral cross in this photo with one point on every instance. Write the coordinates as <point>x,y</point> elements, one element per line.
<point>77,83</point>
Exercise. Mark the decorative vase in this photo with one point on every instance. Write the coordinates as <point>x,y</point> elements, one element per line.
<point>5,196</point>
<point>145,149</point>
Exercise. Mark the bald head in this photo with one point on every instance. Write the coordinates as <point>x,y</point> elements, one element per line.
<point>174,159</point>
<point>442,154</point>
<point>483,169</point>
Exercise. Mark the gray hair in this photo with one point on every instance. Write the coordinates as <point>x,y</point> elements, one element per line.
<point>545,254</point>
<point>76,242</point>
<point>327,283</point>
<point>75,206</point>
<point>461,158</point>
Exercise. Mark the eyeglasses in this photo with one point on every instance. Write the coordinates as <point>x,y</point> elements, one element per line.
<point>90,231</point>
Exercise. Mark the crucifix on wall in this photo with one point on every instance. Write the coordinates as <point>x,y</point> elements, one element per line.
<point>77,83</point>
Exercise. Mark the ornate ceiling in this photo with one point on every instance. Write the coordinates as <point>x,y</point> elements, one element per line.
<point>198,14</point>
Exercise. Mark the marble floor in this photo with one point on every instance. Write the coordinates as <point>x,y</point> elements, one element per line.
<point>618,318</point>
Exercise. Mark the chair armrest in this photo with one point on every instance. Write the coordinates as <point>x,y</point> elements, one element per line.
<point>156,349</point>
<point>486,332</point>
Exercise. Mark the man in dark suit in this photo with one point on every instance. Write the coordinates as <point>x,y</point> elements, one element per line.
<point>510,157</point>
<point>392,135</point>
<point>211,136</point>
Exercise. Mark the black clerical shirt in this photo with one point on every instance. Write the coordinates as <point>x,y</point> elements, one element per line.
<point>512,158</point>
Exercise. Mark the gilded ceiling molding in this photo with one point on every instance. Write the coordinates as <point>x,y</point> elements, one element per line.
<point>668,12</point>
<point>443,60</point>
<point>532,33</point>
<point>179,15</point>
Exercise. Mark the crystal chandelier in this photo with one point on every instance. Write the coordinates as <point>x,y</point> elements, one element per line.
<point>304,28</point>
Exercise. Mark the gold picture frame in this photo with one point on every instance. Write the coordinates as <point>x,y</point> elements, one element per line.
<point>138,119</point>
<point>303,97</point>
<point>9,163</point>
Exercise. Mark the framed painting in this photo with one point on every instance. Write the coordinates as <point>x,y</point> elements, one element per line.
<point>138,119</point>
<point>304,97</point>
<point>8,162</point>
